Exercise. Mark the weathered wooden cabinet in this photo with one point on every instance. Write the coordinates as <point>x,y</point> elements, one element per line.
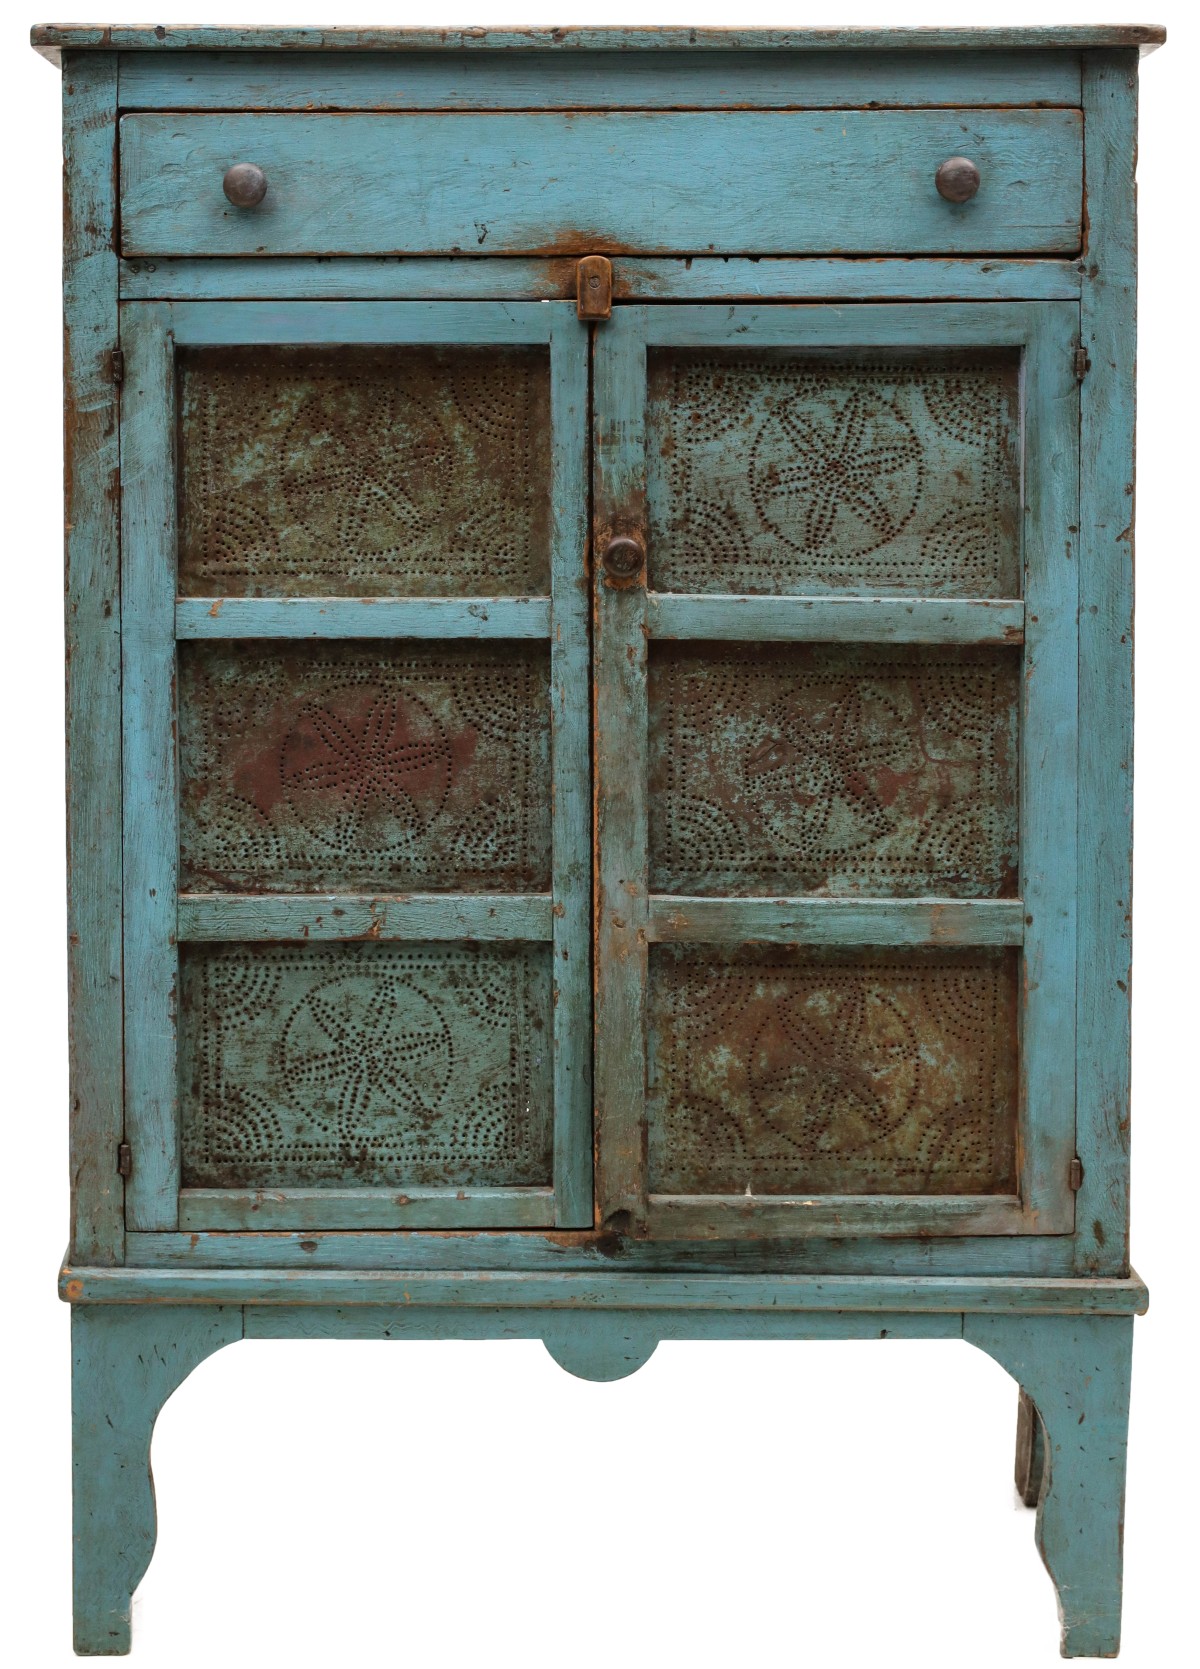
<point>599,603</point>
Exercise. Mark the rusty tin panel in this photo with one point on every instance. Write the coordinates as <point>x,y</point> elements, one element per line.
<point>382,471</point>
<point>781,1070</point>
<point>371,1064</point>
<point>781,473</point>
<point>833,769</point>
<point>364,766</point>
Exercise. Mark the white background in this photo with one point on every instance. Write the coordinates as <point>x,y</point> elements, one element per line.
<point>457,1504</point>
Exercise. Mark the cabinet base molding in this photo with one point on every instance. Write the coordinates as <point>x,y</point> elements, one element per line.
<point>1070,1358</point>
<point>744,1296</point>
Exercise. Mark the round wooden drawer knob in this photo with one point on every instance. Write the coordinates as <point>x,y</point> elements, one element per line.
<point>623,557</point>
<point>245,185</point>
<point>957,179</point>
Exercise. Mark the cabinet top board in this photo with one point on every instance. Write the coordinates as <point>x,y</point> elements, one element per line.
<point>51,39</point>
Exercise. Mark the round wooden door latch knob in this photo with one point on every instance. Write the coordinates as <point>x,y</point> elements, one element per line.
<point>623,557</point>
<point>245,185</point>
<point>957,179</point>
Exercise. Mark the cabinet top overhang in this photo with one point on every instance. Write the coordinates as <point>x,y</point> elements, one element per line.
<point>51,39</point>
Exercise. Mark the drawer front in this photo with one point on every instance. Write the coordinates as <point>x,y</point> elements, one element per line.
<point>791,182</point>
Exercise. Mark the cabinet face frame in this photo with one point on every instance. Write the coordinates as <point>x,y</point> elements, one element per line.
<point>154,620</point>
<point>1042,922</point>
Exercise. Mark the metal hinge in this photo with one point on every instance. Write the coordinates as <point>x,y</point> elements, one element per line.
<point>1082,364</point>
<point>593,287</point>
<point>124,1159</point>
<point>1075,1175</point>
<point>118,365</point>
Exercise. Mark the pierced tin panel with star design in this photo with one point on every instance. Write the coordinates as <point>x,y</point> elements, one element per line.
<point>885,770</point>
<point>779,1070</point>
<point>365,1064</point>
<point>372,765</point>
<point>356,471</point>
<point>773,472</point>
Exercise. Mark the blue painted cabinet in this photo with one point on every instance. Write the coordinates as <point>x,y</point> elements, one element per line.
<point>599,624</point>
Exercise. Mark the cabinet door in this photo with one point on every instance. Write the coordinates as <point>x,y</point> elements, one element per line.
<point>835,763</point>
<point>357,866</point>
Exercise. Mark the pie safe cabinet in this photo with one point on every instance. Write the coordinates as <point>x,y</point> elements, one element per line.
<point>599,713</point>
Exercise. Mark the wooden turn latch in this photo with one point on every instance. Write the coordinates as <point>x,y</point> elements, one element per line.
<point>593,287</point>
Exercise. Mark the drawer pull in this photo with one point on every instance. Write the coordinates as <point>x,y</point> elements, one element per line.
<point>623,557</point>
<point>245,185</point>
<point>957,179</point>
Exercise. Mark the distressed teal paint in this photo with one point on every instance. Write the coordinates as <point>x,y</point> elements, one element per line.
<point>93,645</point>
<point>835,619</point>
<point>1049,721</point>
<point>54,37</point>
<point>205,324</point>
<point>475,277</point>
<point>570,654</point>
<point>150,789</point>
<point>860,330</point>
<point>126,1359</point>
<point>602,80</point>
<point>1067,1344</point>
<point>367,617</point>
<point>362,1209</point>
<point>259,918</point>
<point>554,184</point>
<point>1105,814</point>
<point>818,149</point>
<point>620,762</point>
<point>835,921</point>
<point>728,1293</point>
<point>366,278</point>
<point>1076,1371</point>
<point>1015,1255</point>
<point>907,279</point>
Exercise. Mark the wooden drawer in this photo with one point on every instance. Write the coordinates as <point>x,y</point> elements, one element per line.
<point>855,182</point>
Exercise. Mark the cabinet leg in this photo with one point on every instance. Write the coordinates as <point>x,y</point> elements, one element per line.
<point>1030,1463</point>
<point>126,1361</point>
<point>1075,1372</point>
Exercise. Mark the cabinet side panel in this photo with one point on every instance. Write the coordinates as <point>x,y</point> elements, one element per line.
<point>93,648</point>
<point>1106,662</point>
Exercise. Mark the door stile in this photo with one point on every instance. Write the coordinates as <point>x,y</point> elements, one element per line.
<point>571,771</point>
<point>621,759</point>
<point>150,776</point>
<point>1049,748</point>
